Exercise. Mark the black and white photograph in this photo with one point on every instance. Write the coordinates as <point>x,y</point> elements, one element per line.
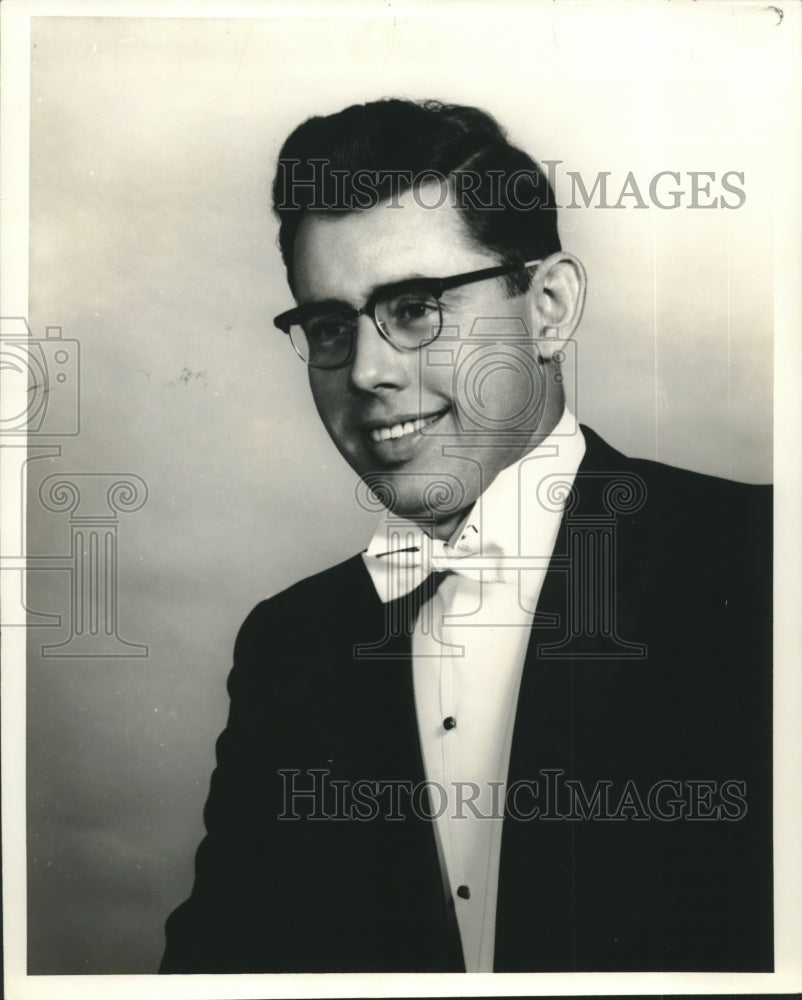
<point>400,498</point>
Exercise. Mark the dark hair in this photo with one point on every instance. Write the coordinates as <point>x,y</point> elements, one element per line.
<point>369,153</point>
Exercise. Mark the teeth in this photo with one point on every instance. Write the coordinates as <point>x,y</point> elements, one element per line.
<point>399,430</point>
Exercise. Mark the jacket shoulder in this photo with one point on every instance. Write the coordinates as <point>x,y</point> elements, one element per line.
<point>670,490</point>
<point>683,519</point>
<point>317,602</point>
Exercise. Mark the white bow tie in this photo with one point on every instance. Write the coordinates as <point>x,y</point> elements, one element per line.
<point>404,567</point>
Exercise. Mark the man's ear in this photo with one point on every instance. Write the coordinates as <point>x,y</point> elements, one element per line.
<point>558,299</point>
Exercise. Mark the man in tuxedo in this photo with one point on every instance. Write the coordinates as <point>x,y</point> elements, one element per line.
<point>529,728</point>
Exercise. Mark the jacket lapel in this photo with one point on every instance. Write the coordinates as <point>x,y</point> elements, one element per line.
<point>535,922</point>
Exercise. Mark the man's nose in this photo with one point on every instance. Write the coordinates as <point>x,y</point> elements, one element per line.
<point>377,363</point>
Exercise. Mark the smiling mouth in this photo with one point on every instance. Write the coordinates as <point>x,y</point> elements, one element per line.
<point>393,432</point>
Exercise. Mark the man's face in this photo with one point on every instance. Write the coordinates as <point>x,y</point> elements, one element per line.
<point>479,399</point>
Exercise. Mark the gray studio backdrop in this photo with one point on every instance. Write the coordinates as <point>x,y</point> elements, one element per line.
<point>185,448</point>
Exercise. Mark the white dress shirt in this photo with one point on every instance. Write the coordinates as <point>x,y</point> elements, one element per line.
<point>468,651</point>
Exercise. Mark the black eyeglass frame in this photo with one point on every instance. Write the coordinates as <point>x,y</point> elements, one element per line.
<point>433,286</point>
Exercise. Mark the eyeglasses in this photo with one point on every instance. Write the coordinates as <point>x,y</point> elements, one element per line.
<point>408,314</point>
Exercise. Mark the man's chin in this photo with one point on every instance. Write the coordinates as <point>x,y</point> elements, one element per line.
<point>426,498</point>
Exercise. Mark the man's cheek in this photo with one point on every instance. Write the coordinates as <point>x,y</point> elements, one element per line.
<point>497,388</point>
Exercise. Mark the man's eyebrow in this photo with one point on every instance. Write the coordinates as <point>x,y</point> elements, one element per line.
<point>333,300</point>
<point>328,301</point>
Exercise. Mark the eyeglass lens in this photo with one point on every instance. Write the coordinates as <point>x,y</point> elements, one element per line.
<point>409,320</point>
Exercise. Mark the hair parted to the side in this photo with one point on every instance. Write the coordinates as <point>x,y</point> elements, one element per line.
<point>369,153</point>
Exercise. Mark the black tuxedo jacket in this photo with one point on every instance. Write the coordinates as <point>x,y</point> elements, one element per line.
<point>642,735</point>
